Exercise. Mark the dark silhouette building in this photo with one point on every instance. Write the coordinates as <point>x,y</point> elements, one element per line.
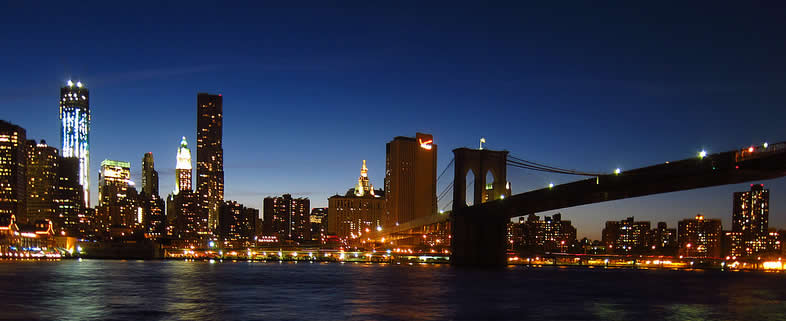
<point>210,155</point>
<point>319,222</point>
<point>237,224</point>
<point>70,215</point>
<point>149,175</point>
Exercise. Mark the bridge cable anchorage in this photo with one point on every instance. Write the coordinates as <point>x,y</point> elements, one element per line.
<point>446,168</point>
<point>525,164</point>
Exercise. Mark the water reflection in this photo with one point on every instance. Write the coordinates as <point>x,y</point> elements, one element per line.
<point>177,290</point>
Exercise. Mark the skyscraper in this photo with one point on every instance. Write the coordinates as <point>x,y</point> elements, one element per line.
<point>70,215</point>
<point>75,130</point>
<point>149,176</point>
<point>42,163</point>
<point>183,167</point>
<point>210,155</point>
<point>13,164</point>
<point>751,217</point>
<point>410,178</point>
<point>116,194</point>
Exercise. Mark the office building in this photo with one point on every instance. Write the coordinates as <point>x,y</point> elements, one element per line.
<point>189,224</point>
<point>13,170</point>
<point>210,155</point>
<point>410,178</point>
<point>42,168</point>
<point>359,211</point>
<point>287,218</point>
<point>319,224</point>
<point>117,197</point>
<point>75,130</point>
<point>751,218</point>
<point>699,237</point>
<point>183,167</point>
<point>69,199</point>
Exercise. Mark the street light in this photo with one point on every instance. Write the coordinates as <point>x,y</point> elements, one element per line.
<point>702,154</point>
<point>617,171</point>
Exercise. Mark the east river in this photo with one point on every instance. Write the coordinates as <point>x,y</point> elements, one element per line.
<point>179,290</point>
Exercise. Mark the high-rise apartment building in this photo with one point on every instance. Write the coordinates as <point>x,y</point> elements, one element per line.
<point>319,224</point>
<point>410,178</point>
<point>210,155</point>
<point>287,218</point>
<point>75,130</point>
<point>751,218</point>
<point>237,224</point>
<point>189,225</point>
<point>626,236</point>
<point>183,167</point>
<point>42,169</point>
<point>699,237</point>
<point>70,215</point>
<point>533,235</point>
<point>13,170</point>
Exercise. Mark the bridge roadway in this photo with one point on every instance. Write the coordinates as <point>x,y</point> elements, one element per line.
<point>478,232</point>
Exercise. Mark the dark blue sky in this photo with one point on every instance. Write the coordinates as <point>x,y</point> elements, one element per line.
<point>310,92</point>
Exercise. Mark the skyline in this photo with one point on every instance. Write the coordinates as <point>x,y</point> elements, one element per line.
<point>137,104</point>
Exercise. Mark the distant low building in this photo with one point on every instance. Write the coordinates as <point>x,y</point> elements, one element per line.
<point>626,236</point>
<point>533,235</point>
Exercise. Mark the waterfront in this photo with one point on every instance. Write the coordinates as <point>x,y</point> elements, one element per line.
<point>178,290</point>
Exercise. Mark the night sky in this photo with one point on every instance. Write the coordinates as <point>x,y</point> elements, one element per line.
<point>311,92</point>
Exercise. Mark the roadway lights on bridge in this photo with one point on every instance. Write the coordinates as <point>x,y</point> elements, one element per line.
<point>702,154</point>
<point>766,145</point>
<point>617,171</point>
<point>502,197</point>
<point>551,185</point>
<point>750,149</point>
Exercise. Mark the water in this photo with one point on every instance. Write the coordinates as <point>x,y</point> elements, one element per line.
<point>176,290</point>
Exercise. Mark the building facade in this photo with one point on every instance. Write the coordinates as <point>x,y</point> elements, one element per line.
<point>700,237</point>
<point>75,130</point>
<point>236,224</point>
<point>626,236</point>
<point>42,170</point>
<point>210,155</point>
<point>533,235</point>
<point>13,170</point>
<point>117,197</point>
<point>188,223</point>
<point>750,217</point>
<point>70,215</point>
<point>287,218</point>
<point>319,222</point>
<point>410,179</point>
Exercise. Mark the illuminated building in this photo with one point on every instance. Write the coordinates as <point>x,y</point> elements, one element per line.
<point>410,178</point>
<point>664,239</point>
<point>319,222</point>
<point>183,167</point>
<point>75,130</point>
<point>116,195</point>
<point>357,212</point>
<point>13,164</point>
<point>149,175</point>
<point>751,218</point>
<point>626,236</point>
<point>189,225</point>
<point>287,218</point>
<point>70,214</point>
<point>236,224</point>
<point>699,237</point>
<point>210,155</point>
<point>533,235</point>
<point>733,244</point>
<point>42,164</point>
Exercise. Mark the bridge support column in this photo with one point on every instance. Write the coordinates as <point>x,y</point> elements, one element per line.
<point>478,238</point>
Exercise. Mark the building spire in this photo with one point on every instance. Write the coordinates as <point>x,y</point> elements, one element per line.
<point>363,186</point>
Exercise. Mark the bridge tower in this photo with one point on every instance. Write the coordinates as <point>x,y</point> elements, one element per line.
<point>478,231</point>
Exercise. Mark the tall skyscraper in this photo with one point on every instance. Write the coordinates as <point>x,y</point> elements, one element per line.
<point>70,214</point>
<point>183,167</point>
<point>751,217</point>
<point>410,178</point>
<point>13,165</point>
<point>149,176</point>
<point>42,163</point>
<point>75,130</point>
<point>210,155</point>
<point>287,218</point>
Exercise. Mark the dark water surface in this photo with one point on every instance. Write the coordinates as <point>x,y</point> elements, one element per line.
<point>176,290</point>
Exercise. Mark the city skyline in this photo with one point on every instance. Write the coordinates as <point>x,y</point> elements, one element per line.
<point>316,159</point>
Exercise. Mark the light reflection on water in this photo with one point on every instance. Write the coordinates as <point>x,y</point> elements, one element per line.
<point>177,290</point>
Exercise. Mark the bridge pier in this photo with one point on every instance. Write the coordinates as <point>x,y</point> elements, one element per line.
<point>478,238</point>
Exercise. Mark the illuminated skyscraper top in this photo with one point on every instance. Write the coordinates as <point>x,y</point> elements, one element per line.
<point>364,185</point>
<point>183,167</point>
<point>75,129</point>
<point>210,155</point>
